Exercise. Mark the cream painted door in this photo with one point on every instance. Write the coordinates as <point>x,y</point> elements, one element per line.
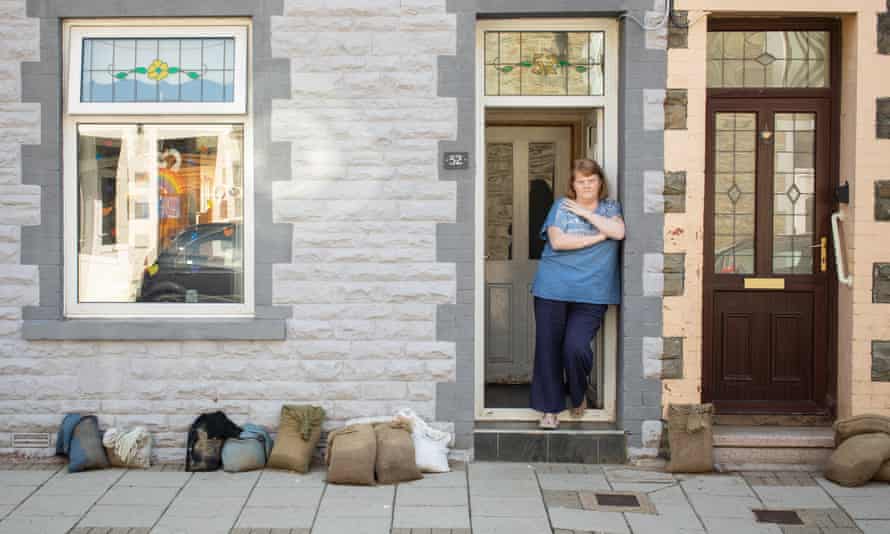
<point>526,168</point>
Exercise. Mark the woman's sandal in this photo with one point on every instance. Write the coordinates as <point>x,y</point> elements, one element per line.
<point>549,422</point>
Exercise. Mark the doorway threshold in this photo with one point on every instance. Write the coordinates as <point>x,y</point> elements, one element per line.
<point>566,445</point>
<point>769,448</point>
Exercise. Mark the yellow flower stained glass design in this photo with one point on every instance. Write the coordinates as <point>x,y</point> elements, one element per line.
<point>157,70</point>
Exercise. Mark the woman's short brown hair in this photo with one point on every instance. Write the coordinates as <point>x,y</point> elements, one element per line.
<point>587,167</point>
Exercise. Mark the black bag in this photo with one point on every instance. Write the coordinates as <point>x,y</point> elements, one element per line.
<point>205,441</point>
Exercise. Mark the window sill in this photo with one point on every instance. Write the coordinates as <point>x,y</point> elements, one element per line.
<point>252,329</point>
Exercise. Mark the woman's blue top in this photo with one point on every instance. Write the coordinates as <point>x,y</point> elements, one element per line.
<point>588,274</point>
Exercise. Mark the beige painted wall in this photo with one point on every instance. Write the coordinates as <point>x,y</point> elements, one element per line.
<point>864,159</point>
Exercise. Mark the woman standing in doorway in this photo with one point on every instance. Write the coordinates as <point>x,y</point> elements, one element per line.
<point>577,279</point>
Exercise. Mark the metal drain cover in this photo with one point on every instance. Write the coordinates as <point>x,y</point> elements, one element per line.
<point>778,517</point>
<point>616,501</point>
<point>613,499</point>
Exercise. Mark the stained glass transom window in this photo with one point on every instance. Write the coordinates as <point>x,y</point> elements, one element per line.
<point>734,192</point>
<point>790,59</point>
<point>158,70</point>
<point>544,63</point>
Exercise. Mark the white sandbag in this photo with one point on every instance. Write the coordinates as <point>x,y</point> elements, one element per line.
<point>430,444</point>
<point>128,449</point>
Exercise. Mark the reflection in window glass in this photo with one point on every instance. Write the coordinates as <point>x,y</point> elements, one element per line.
<point>734,193</point>
<point>158,70</point>
<point>768,59</point>
<point>160,212</point>
<point>499,201</point>
<point>544,63</point>
<point>541,176</point>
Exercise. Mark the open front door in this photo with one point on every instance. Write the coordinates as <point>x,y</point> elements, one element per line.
<point>526,169</point>
<point>767,270</point>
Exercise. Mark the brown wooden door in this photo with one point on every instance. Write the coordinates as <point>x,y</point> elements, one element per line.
<point>766,265</point>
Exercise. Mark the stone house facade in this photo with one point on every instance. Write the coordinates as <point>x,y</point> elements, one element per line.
<point>365,262</point>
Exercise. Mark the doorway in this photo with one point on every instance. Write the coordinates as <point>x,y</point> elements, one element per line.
<point>770,166</point>
<point>528,155</point>
<point>546,94</point>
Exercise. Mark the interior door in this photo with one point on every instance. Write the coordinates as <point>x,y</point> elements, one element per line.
<point>526,168</point>
<point>767,271</point>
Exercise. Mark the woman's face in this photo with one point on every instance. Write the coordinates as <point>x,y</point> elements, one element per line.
<point>587,188</point>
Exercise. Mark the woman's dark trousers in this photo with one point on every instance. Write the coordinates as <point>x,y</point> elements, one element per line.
<point>563,356</point>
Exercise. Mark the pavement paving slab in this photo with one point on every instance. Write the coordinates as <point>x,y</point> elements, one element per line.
<point>431,517</point>
<point>139,495</point>
<point>513,525</point>
<point>585,520</point>
<point>37,524</point>
<point>794,497</point>
<point>55,505</point>
<point>269,518</point>
<point>419,496</point>
<point>287,497</point>
<point>577,482</point>
<point>720,506</point>
<point>193,525</point>
<point>341,525</point>
<point>25,478</point>
<point>354,507</point>
<point>12,495</point>
<point>716,486</point>
<point>154,479</point>
<point>119,516</point>
<point>508,507</point>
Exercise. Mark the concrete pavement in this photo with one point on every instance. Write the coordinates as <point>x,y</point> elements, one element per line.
<point>479,498</point>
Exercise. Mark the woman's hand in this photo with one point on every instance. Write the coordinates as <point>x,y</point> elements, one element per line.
<point>611,227</point>
<point>576,208</point>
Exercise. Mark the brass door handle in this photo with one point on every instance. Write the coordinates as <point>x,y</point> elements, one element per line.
<point>823,253</point>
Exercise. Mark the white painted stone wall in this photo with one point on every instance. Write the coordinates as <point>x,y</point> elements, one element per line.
<point>365,198</point>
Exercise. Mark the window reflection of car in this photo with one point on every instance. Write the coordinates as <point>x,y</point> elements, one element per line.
<point>791,254</point>
<point>202,263</point>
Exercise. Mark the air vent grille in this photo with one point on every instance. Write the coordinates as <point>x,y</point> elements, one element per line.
<point>30,440</point>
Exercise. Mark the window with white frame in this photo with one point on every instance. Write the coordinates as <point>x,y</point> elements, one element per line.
<point>157,169</point>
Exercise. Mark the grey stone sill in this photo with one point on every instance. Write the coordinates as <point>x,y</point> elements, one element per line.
<point>248,329</point>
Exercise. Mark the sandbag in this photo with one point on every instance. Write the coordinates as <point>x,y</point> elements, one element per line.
<point>430,444</point>
<point>690,435</point>
<point>883,474</point>
<point>205,441</point>
<point>299,429</point>
<point>860,424</point>
<point>243,454</point>
<point>395,453</point>
<point>351,455</point>
<point>858,459</point>
<point>79,439</point>
<point>248,452</point>
<point>130,449</point>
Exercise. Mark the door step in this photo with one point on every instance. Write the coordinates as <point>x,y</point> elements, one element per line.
<point>770,448</point>
<point>559,446</point>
